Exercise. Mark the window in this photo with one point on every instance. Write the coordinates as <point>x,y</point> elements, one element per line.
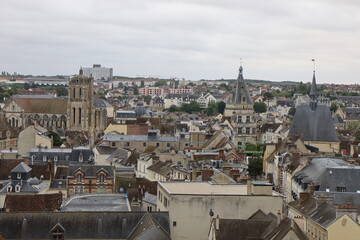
<point>341,189</point>
<point>247,119</point>
<point>17,188</point>
<point>78,178</point>
<point>166,202</point>
<point>18,175</point>
<point>149,209</point>
<point>144,144</point>
<point>73,92</point>
<point>102,178</point>
<point>157,144</point>
<point>174,223</point>
<point>113,144</point>
<point>9,189</point>
<point>239,119</point>
<point>247,130</point>
<point>79,189</point>
<point>55,158</point>
<point>239,130</point>
<point>44,158</point>
<point>127,144</point>
<point>168,144</point>
<point>57,233</point>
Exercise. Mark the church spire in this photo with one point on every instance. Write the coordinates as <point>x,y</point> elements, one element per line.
<point>313,92</point>
<point>241,95</point>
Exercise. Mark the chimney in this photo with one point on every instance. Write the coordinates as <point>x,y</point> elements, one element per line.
<point>323,197</point>
<point>278,217</point>
<point>248,183</point>
<point>217,223</point>
<point>304,196</point>
<point>206,174</point>
<point>348,209</point>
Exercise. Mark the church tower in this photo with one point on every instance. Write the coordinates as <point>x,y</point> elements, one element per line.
<point>80,107</point>
<point>241,112</point>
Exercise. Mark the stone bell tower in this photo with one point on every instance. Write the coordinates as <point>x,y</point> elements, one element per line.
<point>80,107</point>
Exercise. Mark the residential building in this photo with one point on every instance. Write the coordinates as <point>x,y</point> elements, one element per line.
<point>83,179</point>
<point>151,91</point>
<point>99,73</point>
<point>193,203</point>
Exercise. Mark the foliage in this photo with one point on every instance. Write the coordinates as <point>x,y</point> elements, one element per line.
<point>191,84</point>
<point>147,98</point>
<point>292,111</point>
<point>259,107</point>
<point>333,107</point>
<point>302,88</point>
<point>190,108</point>
<point>268,95</point>
<point>355,130</point>
<point>173,108</point>
<point>212,108</point>
<point>160,83</point>
<point>255,166</point>
<point>142,84</point>
<point>136,90</point>
<point>221,107</point>
<point>57,141</point>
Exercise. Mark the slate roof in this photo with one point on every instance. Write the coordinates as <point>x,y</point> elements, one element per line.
<point>138,138</point>
<point>38,105</point>
<point>241,229</point>
<point>6,166</point>
<point>21,168</point>
<point>305,207</point>
<point>162,168</point>
<point>344,176</point>
<point>91,170</point>
<point>105,149</point>
<point>241,90</point>
<point>313,171</point>
<point>314,125</point>
<point>324,215</point>
<point>33,203</point>
<point>286,225</point>
<point>352,113</point>
<point>77,225</point>
<point>100,103</point>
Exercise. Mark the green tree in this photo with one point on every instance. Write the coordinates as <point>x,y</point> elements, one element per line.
<point>259,107</point>
<point>211,110</point>
<point>136,90</point>
<point>255,166</point>
<point>221,107</point>
<point>333,107</point>
<point>57,141</point>
<point>61,91</point>
<point>173,108</point>
<point>292,111</point>
<point>142,84</point>
<point>26,86</point>
<point>160,83</point>
<point>268,95</point>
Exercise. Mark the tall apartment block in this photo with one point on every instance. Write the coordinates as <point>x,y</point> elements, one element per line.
<point>98,72</point>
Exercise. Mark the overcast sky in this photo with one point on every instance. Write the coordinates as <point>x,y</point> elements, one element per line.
<point>191,39</point>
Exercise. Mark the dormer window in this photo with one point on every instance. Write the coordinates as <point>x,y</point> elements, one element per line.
<point>9,188</point>
<point>17,188</point>
<point>341,189</point>
<point>57,233</point>
<point>55,158</point>
<point>67,158</point>
<point>79,178</point>
<point>44,158</point>
<point>18,175</point>
<point>33,157</point>
<point>102,178</point>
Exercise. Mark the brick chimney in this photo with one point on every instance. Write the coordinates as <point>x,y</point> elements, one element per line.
<point>323,197</point>
<point>206,174</point>
<point>348,209</point>
<point>304,196</point>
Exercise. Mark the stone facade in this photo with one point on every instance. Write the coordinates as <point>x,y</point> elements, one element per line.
<point>241,112</point>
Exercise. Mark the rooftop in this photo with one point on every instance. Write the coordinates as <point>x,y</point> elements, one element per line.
<point>98,202</point>
<point>203,188</point>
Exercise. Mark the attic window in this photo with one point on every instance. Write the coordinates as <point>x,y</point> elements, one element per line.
<point>57,233</point>
<point>17,188</point>
<point>9,189</point>
<point>341,189</point>
<point>44,158</point>
<point>55,158</point>
<point>78,178</point>
<point>18,175</point>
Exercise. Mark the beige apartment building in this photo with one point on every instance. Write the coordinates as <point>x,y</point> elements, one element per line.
<point>192,205</point>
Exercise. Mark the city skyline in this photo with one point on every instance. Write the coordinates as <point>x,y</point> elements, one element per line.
<point>185,39</point>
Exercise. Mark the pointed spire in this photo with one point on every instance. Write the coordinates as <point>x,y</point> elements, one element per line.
<point>313,93</point>
<point>81,71</point>
<point>241,95</point>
